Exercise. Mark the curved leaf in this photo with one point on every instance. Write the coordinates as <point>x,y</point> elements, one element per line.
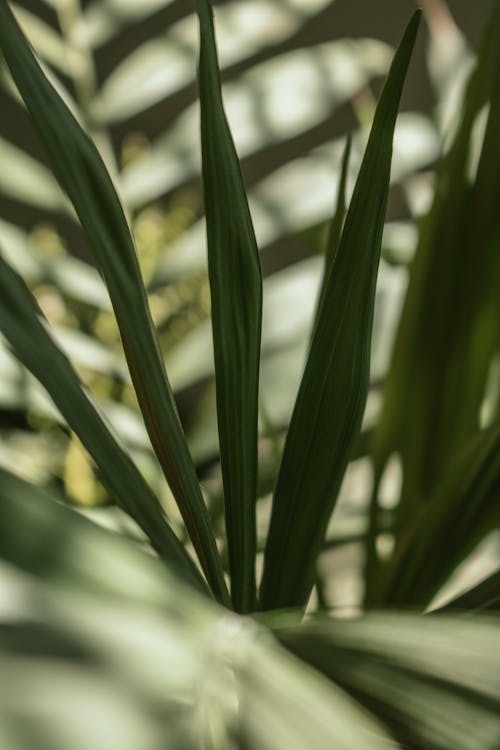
<point>21,324</point>
<point>83,175</point>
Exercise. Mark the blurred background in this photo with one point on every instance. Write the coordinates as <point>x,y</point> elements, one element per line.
<point>299,75</point>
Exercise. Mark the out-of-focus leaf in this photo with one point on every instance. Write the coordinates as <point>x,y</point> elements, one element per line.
<point>331,399</point>
<point>149,74</point>
<point>449,62</point>
<point>245,26</point>
<point>19,391</point>
<point>443,533</point>
<point>24,330</point>
<point>297,715</point>
<point>91,625</point>
<point>36,456</point>
<point>104,19</point>
<point>99,618</point>
<point>81,171</point>
<point>30,181</point>
<point>74,278</point>
<point>433,681</point>
<point>322,76</point>
<point>47,42</point>
<point>448,332</point>
<point>87,352</point>
<point>482,597</point>
<point>236,295</point>
<point>32,518</point>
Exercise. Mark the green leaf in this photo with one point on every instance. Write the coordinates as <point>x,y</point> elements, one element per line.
<point>23,327</point>
<point>32,520</point>
<point>236,293</point>
<point>82,173</point>
<point>330,403</point>
<point>448,332</point>
<point>336,224</point>
<point>433,681</point>
<point>441,534</point>
<point>480,598</point>
<point>99,628</point>
<point>92,621</point>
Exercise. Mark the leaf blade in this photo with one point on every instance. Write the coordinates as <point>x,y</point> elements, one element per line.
<point>337,222</point>
<point>330,402</point>
<point>81,171</point>
<point>236,293</point>
<point>23,328</point>
<point>462,510</point>
<point>448,333</point>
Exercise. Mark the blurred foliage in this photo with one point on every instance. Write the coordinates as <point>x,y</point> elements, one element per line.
<point>417,520</point>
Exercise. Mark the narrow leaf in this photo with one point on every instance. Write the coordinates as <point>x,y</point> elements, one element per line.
<point>236,292</point>
<point>336,224</point>
<point>448,331</point>
<point>22,324</point>
<point>330,403</point>
<point>448,334</point>
<point>81,171</point>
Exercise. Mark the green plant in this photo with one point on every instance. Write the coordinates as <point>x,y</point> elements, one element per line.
<point>122,69</point>
<point>192,673</point>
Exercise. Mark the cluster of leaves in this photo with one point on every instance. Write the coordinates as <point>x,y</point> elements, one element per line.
<point>143,644</point>
<point>121,84</point>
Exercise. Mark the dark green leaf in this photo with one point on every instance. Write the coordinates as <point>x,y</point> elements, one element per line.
<point>332,394</point>
<point>336,224</point>
<point>236,292</point>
